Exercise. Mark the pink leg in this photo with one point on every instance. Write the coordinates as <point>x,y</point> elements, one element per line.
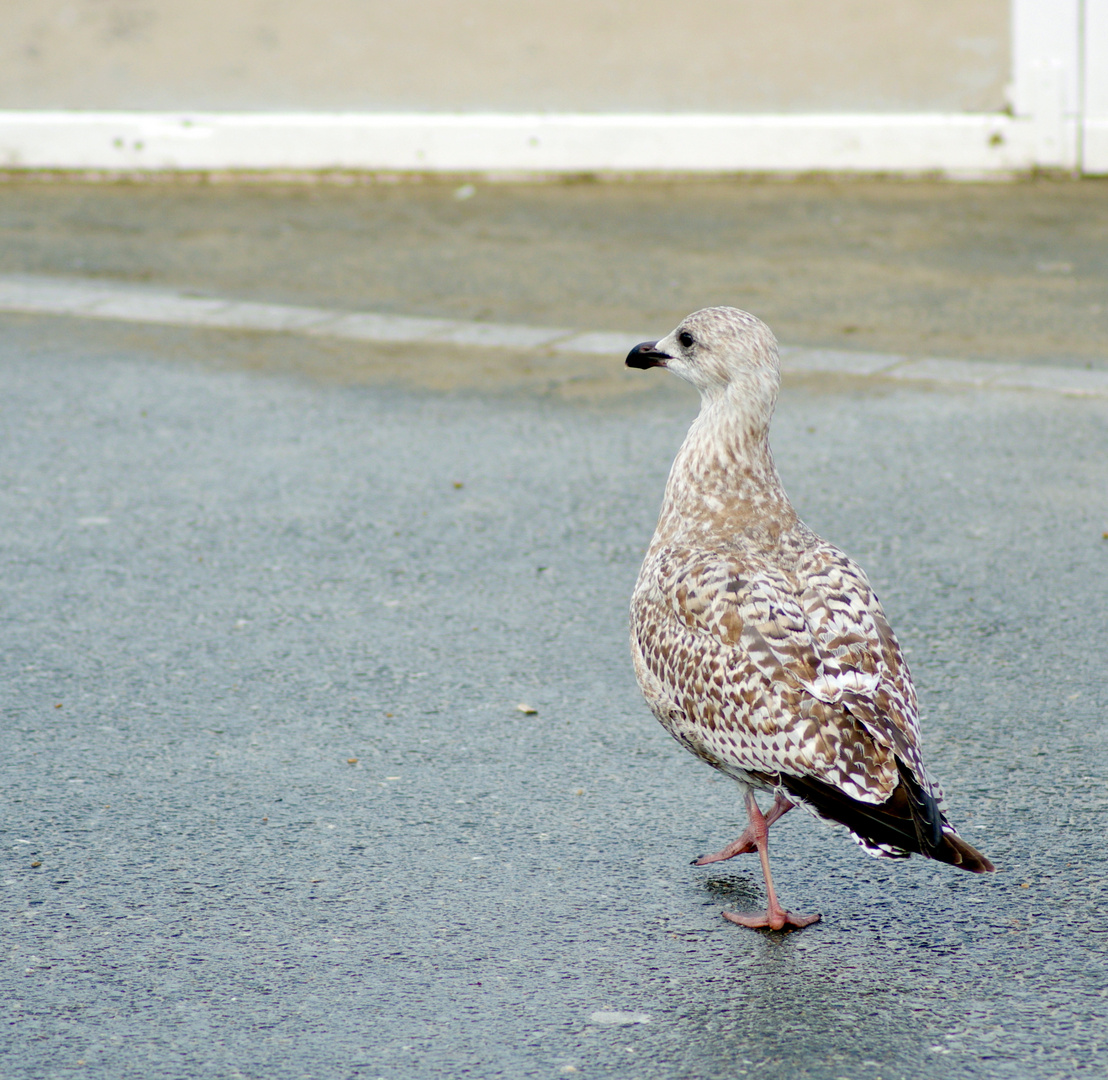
<point>775,917</point>
<point>746,842</point>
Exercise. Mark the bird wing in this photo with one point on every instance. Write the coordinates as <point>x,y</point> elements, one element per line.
<point>816,631</point>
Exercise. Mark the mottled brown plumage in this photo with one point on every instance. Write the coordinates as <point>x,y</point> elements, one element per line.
<point>761,647</point>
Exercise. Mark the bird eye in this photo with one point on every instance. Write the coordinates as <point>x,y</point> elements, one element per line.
<point>686,338</point>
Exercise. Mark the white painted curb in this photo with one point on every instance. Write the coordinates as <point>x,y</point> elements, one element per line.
<point>533,143</point>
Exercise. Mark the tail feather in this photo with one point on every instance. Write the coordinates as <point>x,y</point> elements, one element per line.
<point>908,821</point>
<point>967,856</point>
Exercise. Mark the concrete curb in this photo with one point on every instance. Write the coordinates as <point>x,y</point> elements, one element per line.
<point>977,144</point>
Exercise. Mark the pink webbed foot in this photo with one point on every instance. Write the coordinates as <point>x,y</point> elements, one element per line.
<point>772,920</point>
<point>775,917</point>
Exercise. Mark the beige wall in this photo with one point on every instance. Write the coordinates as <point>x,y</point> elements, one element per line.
<point>505,55</point>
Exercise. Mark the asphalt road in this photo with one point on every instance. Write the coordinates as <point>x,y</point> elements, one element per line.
<point>270,608</point>
<point>272,810</point>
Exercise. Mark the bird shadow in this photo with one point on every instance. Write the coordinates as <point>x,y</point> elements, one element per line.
<point>734,889</point>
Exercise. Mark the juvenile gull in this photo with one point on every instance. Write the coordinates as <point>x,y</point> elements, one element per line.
<point>761,647</point>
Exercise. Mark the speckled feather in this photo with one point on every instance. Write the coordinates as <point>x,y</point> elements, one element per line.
<point>759,646</point>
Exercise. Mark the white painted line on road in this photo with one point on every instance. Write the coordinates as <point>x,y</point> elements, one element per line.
<point>965,372</point>
<point>600,343</point>
<point>501,336</point>
<point>173,310</point>
<point>797,360</point>
<point>242,315</point>
<point>1074,382</point>
<point>42,295</point>
<point>131,303</point>
<point>384,329</point>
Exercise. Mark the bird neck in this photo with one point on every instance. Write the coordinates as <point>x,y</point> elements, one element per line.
<point>723,482</point>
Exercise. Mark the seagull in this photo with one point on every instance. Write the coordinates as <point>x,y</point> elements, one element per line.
<point>761,647</point>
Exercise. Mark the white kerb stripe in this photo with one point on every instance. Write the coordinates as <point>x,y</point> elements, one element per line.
<point>980,143</point>
<point>26,294</point>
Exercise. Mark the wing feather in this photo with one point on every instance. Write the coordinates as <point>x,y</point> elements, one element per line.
<point>800,654</point>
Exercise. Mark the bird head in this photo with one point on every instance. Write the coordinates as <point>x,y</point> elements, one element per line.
<point>722,351</point>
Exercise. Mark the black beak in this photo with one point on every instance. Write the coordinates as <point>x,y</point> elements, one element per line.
<point>646,356</point>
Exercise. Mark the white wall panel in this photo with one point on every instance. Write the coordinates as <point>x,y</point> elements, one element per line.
<point>563,56</point>
<point>556,86</point>
<point>1096,86</point>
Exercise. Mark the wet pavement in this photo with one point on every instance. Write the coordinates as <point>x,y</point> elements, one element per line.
<point>272,808</point>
